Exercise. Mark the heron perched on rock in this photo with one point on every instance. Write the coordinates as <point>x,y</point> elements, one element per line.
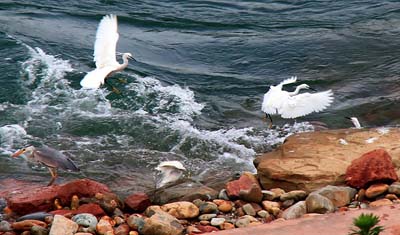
<point>105,54</point>
<point>49,157</point>
<point>292,104</point>
<point>170,171</point>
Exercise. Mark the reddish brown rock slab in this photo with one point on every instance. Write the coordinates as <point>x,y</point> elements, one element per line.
<point>311,160</point>
<point>246,188</point>
<point>138,202</point>
<point>26,198</point>
<point>334,223</point>
<point>374,166</point>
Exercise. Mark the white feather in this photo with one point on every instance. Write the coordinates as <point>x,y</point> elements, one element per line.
<point>292,104</point>
<point>106,42</point>
<point>95,78</point>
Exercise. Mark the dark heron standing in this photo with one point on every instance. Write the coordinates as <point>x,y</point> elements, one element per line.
<point>51,158</point>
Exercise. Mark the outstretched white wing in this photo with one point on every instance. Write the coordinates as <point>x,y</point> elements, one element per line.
<point>106,42</point>
<point>305,103</point>
<point>293,79</point>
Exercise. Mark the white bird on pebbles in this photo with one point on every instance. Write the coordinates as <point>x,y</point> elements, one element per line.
<point>292,104</point>
<point>355,122</point>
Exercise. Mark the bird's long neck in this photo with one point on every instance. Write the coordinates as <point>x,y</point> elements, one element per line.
<point>356,123</point>
<point>295,92</point>
<point>124,64</point>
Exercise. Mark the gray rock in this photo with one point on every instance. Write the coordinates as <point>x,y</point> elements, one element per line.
<point>296,195</point>
<point>317,203</point>
<point>39,230</point>
<point>217,221</point>
<point>244,221</point>
<point>269,195</point>
<point>295,211</point>
<point>395,188</point>
<point>206,217</point>
<point>62,225</point>
<point>5,226</point>
<point>87,222</point>
<point>162,223</point>
<point>36,216</point>
<point>288,203</point>
<point>208,208</point>
<point>339,195</point>
<point>248,209</point>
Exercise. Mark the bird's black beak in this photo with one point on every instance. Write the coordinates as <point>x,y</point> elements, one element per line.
<point>348,118</point>
<point>131,58</point>
<point>312,89</point>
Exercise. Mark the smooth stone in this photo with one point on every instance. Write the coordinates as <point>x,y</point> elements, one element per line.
<point>182,210</point>
<point>27,224</point>
<point>105,226</point>
<point>208,208</point>
<point>381,202</point>
<point>62,225</point>
<point>35,216</point>
<point>162,223</point>
<point>317,203</point>
<point>217,221</point>
<point>376,190</point>
<point>136,222</point>
<point>295,211</point>
<point>339,195</point>
<point>225,206</point>
<point>86,221</point>
<point>391,196</point>
<point>248,209</point>
<point>122,229</point>
<point>267,205</point>
<point>207,216</point>
<point>296,195</point>
<point>395,188</point>
<point>5,226</point>
<point>244,221</point>
<point>263,214</point>
<point>361,195</point>
<point>269,195</point>
<point>288,203</point>
<point>39,230</point>
<point>227,226</point>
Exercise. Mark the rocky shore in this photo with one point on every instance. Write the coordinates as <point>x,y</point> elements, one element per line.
<point>84,207</point>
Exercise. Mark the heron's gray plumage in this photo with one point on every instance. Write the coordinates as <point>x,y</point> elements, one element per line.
<point>53,158</point>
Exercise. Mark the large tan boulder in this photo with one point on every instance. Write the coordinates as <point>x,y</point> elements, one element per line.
<point>312,160</point>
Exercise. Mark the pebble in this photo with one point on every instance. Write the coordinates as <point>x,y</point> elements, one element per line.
<point>376,190</point>
<point>208,208</point>
<point>5,226</point>
<point>381,202</point>
<point>35,216</point>
<point>105,226</point>
<point>207,216</point>
<point>263,214</point>
<point>122,229</point>
<point>86,221</point>
<point>136,222</point>
<point>391,196</point>
<point>227,226</point>
<point>39,230</point>
<point>296,195</point>
<point>62,225</point>
<point>27,224</point>
<point>248,209</point>
<point>395,188</point>
<point>217,221</point>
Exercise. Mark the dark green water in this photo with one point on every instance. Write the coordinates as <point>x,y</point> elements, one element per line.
<point>195,92</point>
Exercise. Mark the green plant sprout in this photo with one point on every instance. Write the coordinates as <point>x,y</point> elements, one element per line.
<point>367,224</point>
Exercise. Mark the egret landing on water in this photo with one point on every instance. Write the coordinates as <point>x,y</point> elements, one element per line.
<point>293,104</point>
<point>170,171</point>
<point>49,157</point>
<point>355,122</point>
<point>105,54</point>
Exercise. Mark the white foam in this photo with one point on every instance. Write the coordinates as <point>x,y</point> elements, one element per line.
<point>10,136</point>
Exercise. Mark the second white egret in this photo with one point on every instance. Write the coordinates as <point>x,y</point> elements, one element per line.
<point>170,171</point>
<point>105,53</point>
<point>355,122</point>
<point>292,104</point>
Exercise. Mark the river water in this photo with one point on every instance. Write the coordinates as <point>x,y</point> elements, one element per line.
<point>195,91</point>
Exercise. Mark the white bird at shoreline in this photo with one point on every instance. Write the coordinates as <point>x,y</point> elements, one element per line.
<point>292,104</point>
<point>105,54</point>
<point>355,122</point>
<point>170,171</point>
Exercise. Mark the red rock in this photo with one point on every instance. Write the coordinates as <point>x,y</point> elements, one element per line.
<point>206,228</point>
<point>24,200</point>
<point>27,224</point>
<point>90,208</point>
<point>138,202</point>
<point>374,166</point>
<point>246,188</point>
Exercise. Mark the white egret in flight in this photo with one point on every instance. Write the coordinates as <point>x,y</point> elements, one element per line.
<point>170,172</point>
<point>292,104</point>
<point>105,53</point>
<point>355,122</point>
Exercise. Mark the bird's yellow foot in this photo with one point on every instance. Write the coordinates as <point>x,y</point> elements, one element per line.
<point>116,91</point>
